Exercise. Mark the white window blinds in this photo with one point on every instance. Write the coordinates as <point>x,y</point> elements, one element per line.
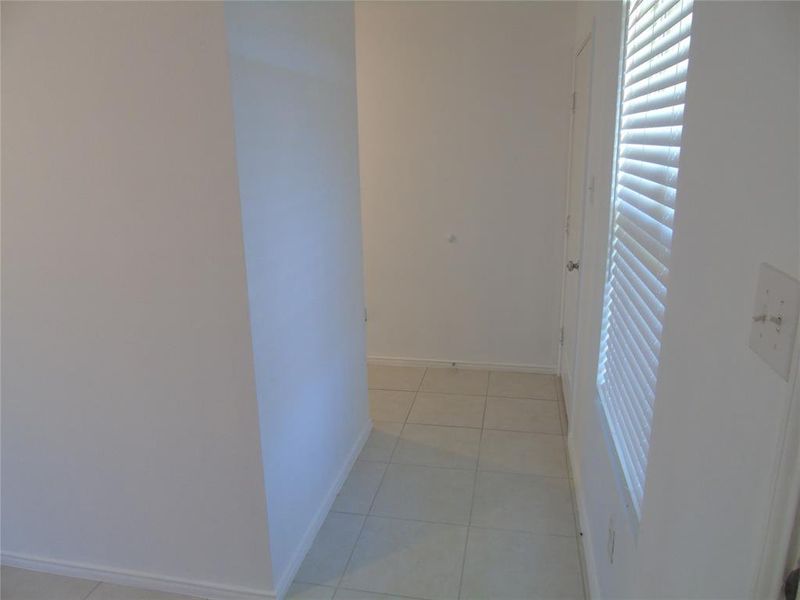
<point>651,100</point>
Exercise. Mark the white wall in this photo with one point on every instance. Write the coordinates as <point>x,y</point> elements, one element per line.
<point>294,90</point>
<point>719,409</point>
<point>130,437</point>
<point>463,129</point>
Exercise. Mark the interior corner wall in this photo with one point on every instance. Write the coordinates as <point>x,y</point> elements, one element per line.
<point>130,441</point>
<point>718,409</point>
<point>464,129</point>
<point>294,92</point>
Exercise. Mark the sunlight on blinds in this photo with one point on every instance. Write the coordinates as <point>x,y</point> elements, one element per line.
<point>648,151</point>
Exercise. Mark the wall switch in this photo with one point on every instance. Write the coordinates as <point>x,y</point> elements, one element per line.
<point>774,325</point>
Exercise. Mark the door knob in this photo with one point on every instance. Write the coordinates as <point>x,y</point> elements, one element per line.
<point>571,266</point>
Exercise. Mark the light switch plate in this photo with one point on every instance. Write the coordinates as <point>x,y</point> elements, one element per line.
<point>775,315</point>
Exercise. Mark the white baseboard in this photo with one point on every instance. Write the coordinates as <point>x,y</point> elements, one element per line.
<point>285,580</point>
<point>590,569</point>
<point>199,589</point>
<point>397,361</point>
<point>147,581</point>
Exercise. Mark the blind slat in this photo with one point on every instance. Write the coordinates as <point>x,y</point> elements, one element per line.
<point>635,340</point>
<point>672,36</point>
<point>637,24</point>
<point>648,339</point>
<point>645,387</point>
<point>627,338</point>
<point>663,194</point>
<point>639,331</point>
<point>660,62</point>
<point>666,176</point>
<point>655,289</point>
<point>653,255</point>
<point>646,381</point>
<point>639,9</point>
<point>652,208</point>
<point>626,432</point>
<point>643,311</point>
<point>666,116</point>
<point>669,96</point>
<point>663,156</point>
<point>620,359</point>
<point>671,13</point>
<point>645,222</point>
<point>652,136</point>
<point>654,304</point>
<point>635,4</point>
<point>634,445</point>
<point>622,434</point>
<point>658,81</point>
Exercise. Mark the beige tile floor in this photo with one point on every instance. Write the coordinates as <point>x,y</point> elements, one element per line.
<point>462,491</point>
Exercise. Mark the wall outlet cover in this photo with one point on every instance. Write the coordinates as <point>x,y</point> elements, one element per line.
<point>775,314</point>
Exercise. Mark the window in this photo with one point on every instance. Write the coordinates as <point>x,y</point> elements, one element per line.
<point>650,123</point>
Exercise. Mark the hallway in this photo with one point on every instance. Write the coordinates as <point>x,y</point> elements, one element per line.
<point>457,460</point>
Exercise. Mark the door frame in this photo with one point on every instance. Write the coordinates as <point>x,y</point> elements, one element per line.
<point>588,45</point>
<point>785,493</point>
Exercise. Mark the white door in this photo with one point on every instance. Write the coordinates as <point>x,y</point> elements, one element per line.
<point>574,224</point>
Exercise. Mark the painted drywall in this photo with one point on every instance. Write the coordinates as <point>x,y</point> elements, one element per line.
<point>463,128</point>
<point>719,409</point>
<point>130,440</point>
<point>294,93</point>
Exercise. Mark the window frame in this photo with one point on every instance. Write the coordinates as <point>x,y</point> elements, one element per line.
<point>615,453</point>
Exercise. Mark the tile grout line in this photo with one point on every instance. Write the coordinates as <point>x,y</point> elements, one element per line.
<point>450,523</point>
<point>498,396</point>
<point>94,588</point>
<point>556,400</point>
<point>520,473</point>
<point>379,594</point>
<point>560,403</point>
<point>486,397</point>
<point>378,489</point>
<point>481,428</point>
<point>474,486</point>
<point>464,558</point>
<point>482,470</point>
<point>476,470</point>
<point>406,422</point>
